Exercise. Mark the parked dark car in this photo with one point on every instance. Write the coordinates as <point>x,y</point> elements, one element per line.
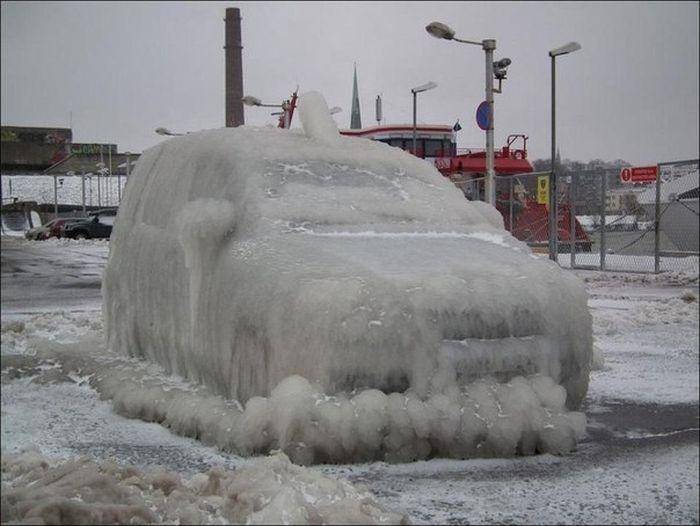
<point>97,226</point>
<point>54,228</point>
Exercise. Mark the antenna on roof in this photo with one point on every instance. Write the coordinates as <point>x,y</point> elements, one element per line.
<point>378,110</point>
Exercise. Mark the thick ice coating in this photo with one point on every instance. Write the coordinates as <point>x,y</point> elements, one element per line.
<point>242,256</point>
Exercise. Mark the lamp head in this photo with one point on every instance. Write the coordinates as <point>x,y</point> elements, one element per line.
<point>567,48</point>
<point>440,30</point>
<point>424,87</point>
<point>249,100</point>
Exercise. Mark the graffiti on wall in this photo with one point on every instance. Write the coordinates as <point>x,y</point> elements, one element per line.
<point>92,148</point>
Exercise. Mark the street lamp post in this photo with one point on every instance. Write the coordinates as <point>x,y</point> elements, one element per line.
<point>416,91</point>
<point>490,190</point>
<point>440,30</point>
<point>553,227</point>
<point>287,108</point>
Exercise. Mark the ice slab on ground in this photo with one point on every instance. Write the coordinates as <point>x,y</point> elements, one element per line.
<point>271,490</point>
<point>242,256</point>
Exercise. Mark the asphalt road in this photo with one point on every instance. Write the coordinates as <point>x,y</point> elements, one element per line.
<point>42,276</point>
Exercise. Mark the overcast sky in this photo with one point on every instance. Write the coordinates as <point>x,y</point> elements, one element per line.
<point>124,69</point>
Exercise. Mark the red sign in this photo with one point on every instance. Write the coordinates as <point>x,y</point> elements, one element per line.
<point>638,174</point>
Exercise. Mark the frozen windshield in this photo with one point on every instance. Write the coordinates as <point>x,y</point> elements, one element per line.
<point>319,193</point>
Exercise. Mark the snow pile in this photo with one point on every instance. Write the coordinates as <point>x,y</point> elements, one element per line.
<point>69,242</point>
<point>14,224</point>
<point>63,326</point>
<point>638,314</point>
<point>674,278</point>
<point>270,490</point>
<point>226,268</point>
<point>60,242</point>
<point>481,419</point>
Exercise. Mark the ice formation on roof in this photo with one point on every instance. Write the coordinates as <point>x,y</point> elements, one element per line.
<point>316,118</point>
<point>242,256</point>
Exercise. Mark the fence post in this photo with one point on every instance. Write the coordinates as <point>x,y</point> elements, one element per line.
<point>55,196</point>
<point>553,219</point>
<point>99,176</point>
<point>572,219</point>
<point>603,191</point>
<point>109,177</point>
<point>657,222</point>
<point>128,172</point>
<point>510,206</point>
<point>82,182</point>
<point>99,200</point>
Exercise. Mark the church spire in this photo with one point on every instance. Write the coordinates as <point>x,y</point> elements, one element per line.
<point>355,120</point>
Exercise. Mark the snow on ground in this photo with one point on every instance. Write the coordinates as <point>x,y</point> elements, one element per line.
<point>638,462</point>
<point>656,484</point>
<point>648,337</point>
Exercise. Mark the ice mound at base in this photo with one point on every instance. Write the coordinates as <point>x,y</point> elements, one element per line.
<point>243,256</point>
<point>485,418</point>
<point>271,490</point>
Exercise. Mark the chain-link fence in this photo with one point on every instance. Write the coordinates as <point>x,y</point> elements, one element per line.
<point>604,222</point>
<point>75,193</point>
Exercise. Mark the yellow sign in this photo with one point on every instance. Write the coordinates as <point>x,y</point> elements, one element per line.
<point>543,190</point>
